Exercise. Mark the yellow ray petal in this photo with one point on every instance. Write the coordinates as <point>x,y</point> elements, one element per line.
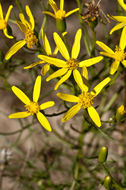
<point>22,27</point>
<point>76,45</point>
<point>37,89</point>
<point>117,27</point>
<point>119,18</point>
<point>21,95</point>
<point>122,4</point>
<point>1,12</point>
<point>124,63</point>
<point>43,121</point>
<point>14,49</point>
<point>34,64</point>
<point>68,97</point>
<point>55,51</point>
<point>71,12</point>
<point>79,80</point>
<point>49,13</point>
<point>63,79</point>
<point>46,43</point>
<point>91,61</point>
<point>24,21</point>
<point>61,4</point>
<point>46,105</point>
<point>6,34</point>
<point>45,69</point>
<point>61,46</point>
<point>56,74</point>
<point>71,112</point>
<point>97,89</point>
<point>8,13</point>
<point>122,43</point>
<point>109,55</point>
<point>19,115</point>
<point>104,47</point>
<point>85,72</point>
<point>114,67</point>
<point>94,116</point>
<point>54,61</point>
<point>30,16</point>
<point>53,5</point>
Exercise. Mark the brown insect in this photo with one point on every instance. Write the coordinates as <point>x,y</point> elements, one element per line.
<point>93,12</point>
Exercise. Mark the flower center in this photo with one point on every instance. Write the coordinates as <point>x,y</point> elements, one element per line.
<point>120,54</point>
<point>33,107</point>
<point>72,64</point>
<point>3,24</point>
<point>60,14</point>
<point>86,99</point>
<point>30,38</point>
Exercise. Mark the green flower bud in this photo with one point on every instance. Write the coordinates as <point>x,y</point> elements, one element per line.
<point>93,23</point>
<point>107,182</point>
<point>61,25</point>
<point>103,153</point>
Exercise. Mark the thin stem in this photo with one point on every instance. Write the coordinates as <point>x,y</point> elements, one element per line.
<point>115,184</point>
<point>78,158</point>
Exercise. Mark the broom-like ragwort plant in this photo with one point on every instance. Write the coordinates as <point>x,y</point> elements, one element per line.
<point>79,142</point>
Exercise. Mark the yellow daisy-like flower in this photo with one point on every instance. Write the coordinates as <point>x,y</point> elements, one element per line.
<point>71,64</point>
<point>48,51</point>
<point>84,100</point>
<point>119,54</point>
<point>4,21</point>
<point>28,29</point>
<point>32,106</point>
<point>59,14</point>
<point>120,19</point>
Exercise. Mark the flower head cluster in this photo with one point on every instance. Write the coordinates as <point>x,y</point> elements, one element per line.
<point>71,64</point>
<point>84,100</point>
<point>32,107</point>
<point>4,21</point>
<point>28,29</point>
<point>119,55</point>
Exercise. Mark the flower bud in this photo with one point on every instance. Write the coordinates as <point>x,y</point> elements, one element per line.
<point>107,182</point>
<point>103,153</point>
<point>120,113</point>
<point>61,25</point>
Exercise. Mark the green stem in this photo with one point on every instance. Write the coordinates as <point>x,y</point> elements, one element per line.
<point>78,158</point>
<point>115,184</point>
<point>86,37</point>
<point>62,138</point>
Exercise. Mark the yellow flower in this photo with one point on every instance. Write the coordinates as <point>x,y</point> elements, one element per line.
<point>32,106</point>
<point>120,19</point>
<point>28,29</point>
<point>4,21</point>
<point>119,54</point>
<point>71,64</point>
<point>84,100</point>
<point>59,14</point>
<point>121,110</point>
<point>48,51</point>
